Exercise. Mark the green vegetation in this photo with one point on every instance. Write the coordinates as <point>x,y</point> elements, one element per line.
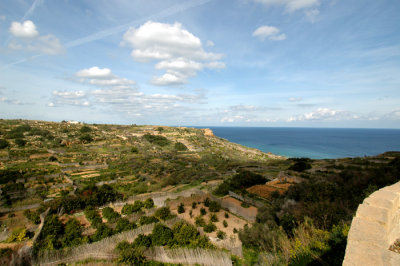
<point>239,182</point>
<point>179,146</point>
<point>4,144</point>
<point>156,139</point>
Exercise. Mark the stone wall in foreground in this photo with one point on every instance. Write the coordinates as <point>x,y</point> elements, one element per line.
<point>374,228</point>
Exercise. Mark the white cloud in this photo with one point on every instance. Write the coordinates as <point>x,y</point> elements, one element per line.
<point>70,94</point>
<point>324,114</point>
<point>32,41</point>
<point>290,5</point>
<point>27,29</point>
<point>178,51</point>
<point>94,72</point>
<point>270,32</point>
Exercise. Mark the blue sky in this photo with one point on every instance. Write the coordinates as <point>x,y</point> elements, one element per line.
<point>295,63</point>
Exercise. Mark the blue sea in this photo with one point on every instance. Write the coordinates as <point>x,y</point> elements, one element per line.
<point>315,143</point>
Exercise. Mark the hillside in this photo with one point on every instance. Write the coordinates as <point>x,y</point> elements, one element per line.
<point>96,186</point>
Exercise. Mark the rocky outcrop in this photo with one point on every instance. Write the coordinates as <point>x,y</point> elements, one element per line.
<point>208,132</point>
<point>374,228</point>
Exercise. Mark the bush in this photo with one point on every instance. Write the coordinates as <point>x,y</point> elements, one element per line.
<point>148,203</point>
<point>210,227</point>
<point>226,215</point>
<point>161,235</point>
<point>127,209</point>
<point>4,144</point>
<point>73,233</point>
<point>181,208</point>
<point>134,150</point>
<point>102,231</point>
<point>123,224</point>
<point>147,220</point>
<point>199,221</point>
<point>300,166</point>
<point>86,138</point>
<point>18,234</point>
<point>203,211</point>
<point>111,215</point>
<point>214,206</point>
<point>85,129</point>
<point>240,181</point>
<point>225,224</point>
<point>137,205</point>
<point>194,205</point>
<point>93,216</point>
<point>163,213</point>
<point>180,146</point>
<point>158,140</point>
<point>142,241</point>
<point>130,255</point>
<point>207,202</point>
<point>221,234</point>
<point>32,216</point>
<point>213,218</point>
<point>20,142</point>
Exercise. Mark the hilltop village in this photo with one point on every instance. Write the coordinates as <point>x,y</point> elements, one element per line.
<point>155,195</point>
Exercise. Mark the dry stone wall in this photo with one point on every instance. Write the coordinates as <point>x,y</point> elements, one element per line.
<point>374,228</point>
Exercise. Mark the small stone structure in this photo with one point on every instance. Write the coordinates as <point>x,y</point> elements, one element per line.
<point>374,228</point>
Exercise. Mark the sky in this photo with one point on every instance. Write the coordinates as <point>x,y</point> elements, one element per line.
<point>268,63</point>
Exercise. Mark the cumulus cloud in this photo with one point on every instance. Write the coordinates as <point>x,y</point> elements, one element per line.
<point>121,95</point>
<point>27,38</point>
<point>290,5</point>
<point>27,29</point>
<point>324,114</point>
<point>269,32</point>
<point>178,52</point>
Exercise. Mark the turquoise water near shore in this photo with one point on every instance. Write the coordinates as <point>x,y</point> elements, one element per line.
<point>315,143</point>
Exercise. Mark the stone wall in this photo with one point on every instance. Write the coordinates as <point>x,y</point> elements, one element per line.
<point>374,228</point>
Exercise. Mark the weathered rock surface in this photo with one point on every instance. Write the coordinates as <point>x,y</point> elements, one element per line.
<point>374,228</point>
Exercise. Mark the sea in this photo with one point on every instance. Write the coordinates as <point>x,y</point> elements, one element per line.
<point>314,143</point>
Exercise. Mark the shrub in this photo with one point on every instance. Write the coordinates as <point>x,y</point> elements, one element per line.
<point>180,146</point>
<point>85,129</point>
<point>194,205</point>
<point>137,205</point>
<point>210,227</point>
<point>214,206</point>
<point>207,202</point>
<point>142,241</point>
<point>244,204</point>
<point>134,150</point>
<point>102,231</point>
<point>123,224</point>
<point>32,216</point>
<point>300,165</point>
<point>184,233</point>
<point>127,209</point>
<point>213,218</point>
<point>148,203</point>
<point>163,213</point>
<point>111,215</point>
<point>161,234</point>
<point>73,233</point>
<point>221,234</point>
<point>158,140</point>
<point>226,215</point>
<point>20,142</point>
<point>130,255</point>
<point>203,211</point>
<point>225,224</point>
<point>18,234</point>
<point>86,138</point>
<point>181,208</point>
<point>199,221</point>
<point>147,220</point>
<point>4,143</point>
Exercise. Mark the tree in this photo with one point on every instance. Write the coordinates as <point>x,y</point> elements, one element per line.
<point>149,203</point>
<point>20,142</point>
<point>161,235</point>
<point>181,208</point>
<point>214,206</point>
<point>85,129</point>
<point>123,224</point>
<point>4,143</point>
<point>73,233</point>
<point>86,138</point>
<point>142,241</point>
<point>163,213</point>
